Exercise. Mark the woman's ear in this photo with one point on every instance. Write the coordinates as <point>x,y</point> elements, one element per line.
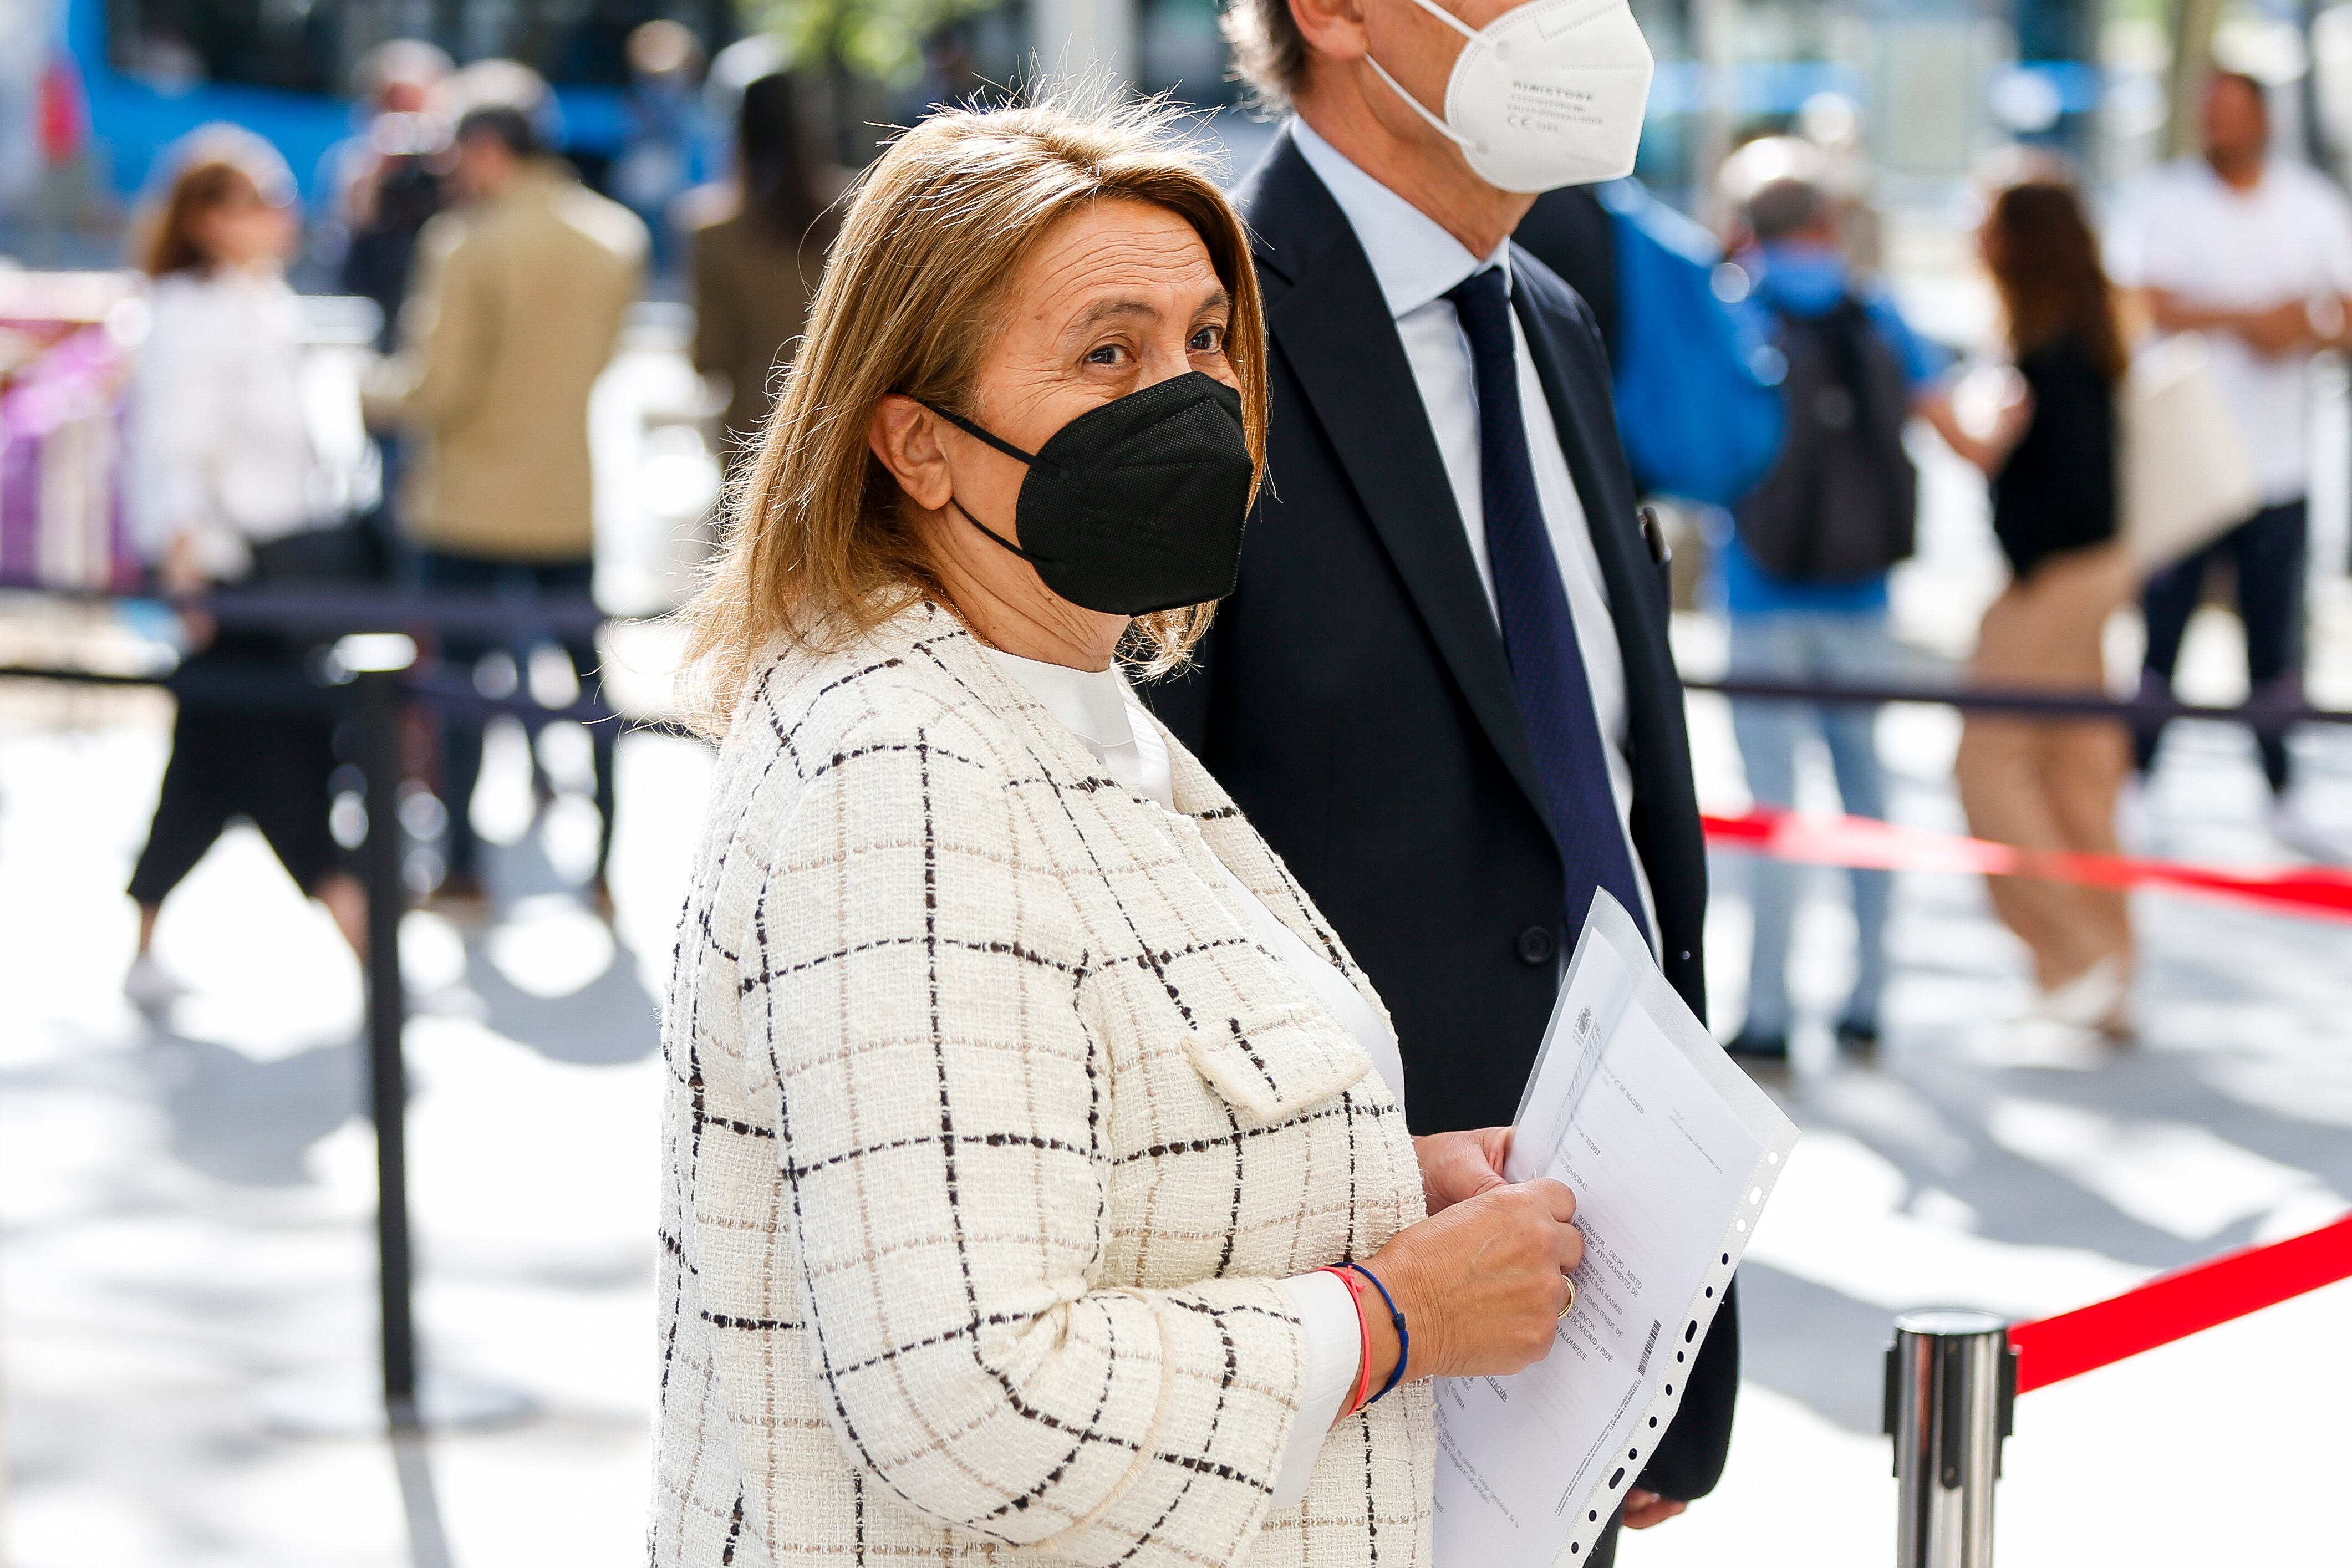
<point>905,435</point>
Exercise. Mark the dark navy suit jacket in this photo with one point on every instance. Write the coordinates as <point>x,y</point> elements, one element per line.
<point>1355,697</point>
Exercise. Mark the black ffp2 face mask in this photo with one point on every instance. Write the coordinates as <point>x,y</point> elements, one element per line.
<point>1137,505</point>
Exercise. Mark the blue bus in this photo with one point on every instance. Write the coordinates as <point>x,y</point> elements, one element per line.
<point>155,69</point>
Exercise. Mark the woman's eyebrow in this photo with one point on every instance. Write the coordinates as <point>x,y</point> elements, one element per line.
<point>1102,310</point>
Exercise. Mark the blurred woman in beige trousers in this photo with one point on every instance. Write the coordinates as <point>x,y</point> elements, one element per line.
<point>2053,459</point>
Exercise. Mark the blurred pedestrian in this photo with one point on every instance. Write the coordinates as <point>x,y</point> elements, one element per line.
<point>515,313</point>
<point>663,149</point>
<point>2052,456</point>
<point>1804,570</point>
<point>385,178</point>
<point>756,263</point>
<point>1698,421</point>
<point>2256,254</point>
<point>227,481</point>
<point>387,183</point>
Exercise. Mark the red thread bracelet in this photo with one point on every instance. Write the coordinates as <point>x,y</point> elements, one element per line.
<point>1364,1334</point>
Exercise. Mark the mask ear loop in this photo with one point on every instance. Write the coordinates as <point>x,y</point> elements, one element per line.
<point>1010,450</point>
<point>1436,121</point>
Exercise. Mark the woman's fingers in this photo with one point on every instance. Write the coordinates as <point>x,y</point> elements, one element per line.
<point>1558,1200</point>
<point>1483,1283</point>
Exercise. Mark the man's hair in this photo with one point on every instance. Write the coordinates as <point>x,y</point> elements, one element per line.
<point>1779,209</point>
<point>510,125</point>
<point>1269,51</point>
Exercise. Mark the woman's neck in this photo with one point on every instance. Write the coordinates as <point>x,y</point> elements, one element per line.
<point>1060,634</point>
<point>1001,598</point>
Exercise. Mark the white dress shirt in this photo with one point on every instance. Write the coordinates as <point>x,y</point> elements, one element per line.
<point>1098,709</point>
<point>1416,261</point>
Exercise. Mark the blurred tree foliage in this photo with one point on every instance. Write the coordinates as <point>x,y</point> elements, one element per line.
<point>881,40</point>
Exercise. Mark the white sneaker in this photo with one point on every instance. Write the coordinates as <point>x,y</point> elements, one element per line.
<point>151,987</point>
<point>2094,999</point>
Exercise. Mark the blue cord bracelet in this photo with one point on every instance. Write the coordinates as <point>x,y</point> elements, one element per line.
<point>1404,1338</point>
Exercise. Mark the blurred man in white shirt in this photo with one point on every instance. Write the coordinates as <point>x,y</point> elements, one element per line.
<point>2255,254</point>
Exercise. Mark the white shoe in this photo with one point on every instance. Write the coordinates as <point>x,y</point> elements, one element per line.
<point>150,986</point>
<point>2094,999</point>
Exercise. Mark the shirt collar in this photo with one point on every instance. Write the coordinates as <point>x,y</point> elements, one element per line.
<point>1091,703</point>
<point>1413,256</point>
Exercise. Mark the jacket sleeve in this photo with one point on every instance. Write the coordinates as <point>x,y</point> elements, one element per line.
<point>918,980</point>
<point>450,328</point>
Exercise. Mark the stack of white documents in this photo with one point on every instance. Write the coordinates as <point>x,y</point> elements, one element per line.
<point>1671,1151</point>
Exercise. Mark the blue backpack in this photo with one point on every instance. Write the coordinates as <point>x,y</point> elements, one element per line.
<point>1697,419</point>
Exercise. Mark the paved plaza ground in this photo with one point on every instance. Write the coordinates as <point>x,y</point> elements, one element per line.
<point>185,1247</point>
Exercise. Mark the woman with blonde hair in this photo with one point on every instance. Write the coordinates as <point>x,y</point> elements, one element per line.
<point>2052,461</point>
<point>1038,1177</point>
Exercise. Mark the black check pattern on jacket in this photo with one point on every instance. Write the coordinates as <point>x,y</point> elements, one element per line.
<point>990,1132</point>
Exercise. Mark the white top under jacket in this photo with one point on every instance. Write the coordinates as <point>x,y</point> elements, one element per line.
<point>993,1131</point>
<point>223,447</point>
<point>1416,261</point>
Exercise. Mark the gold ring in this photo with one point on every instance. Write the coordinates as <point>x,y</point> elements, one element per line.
<point>1569,1305</point>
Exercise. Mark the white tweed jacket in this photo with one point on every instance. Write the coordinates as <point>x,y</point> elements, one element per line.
<point>990,1133</point>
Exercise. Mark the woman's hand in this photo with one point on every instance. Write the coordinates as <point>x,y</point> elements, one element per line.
<point>1481,1284</point>
<point>1457,1165</point>
<point>182,568</point>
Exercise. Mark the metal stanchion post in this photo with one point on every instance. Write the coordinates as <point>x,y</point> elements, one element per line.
<point>1951,1387</point>
<point>377,663</point>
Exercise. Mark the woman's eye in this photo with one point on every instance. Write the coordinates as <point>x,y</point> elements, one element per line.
<point>1207,341</point>
<point>1108,354</point>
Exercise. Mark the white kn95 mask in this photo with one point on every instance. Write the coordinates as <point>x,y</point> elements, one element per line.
<point>1549,94</point>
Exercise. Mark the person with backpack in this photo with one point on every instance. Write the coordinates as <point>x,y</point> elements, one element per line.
<point>1698,420</point>
<point>1804,570</point>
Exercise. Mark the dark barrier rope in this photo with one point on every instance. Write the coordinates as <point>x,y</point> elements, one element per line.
<point>283,691</point>
<point>329,611</point>
<point>2041,704</point>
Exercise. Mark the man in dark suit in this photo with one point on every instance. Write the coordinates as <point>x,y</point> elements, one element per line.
<point>1443,689</point>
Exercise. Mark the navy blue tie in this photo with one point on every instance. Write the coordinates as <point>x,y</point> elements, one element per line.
<point>1539,628</point>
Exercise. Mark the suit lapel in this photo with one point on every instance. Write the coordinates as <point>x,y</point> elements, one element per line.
<point>1333,329</point>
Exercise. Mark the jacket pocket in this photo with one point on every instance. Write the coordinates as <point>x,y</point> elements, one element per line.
<point>1274,1062</point>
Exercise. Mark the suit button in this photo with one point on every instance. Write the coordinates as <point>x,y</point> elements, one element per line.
<point>1536,945</point>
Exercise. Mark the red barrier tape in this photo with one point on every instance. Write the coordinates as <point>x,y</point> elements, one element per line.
<point>2174,1306</point>
<point>1860,842</point>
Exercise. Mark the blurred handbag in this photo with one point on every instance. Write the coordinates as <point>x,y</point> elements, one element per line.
<point>2185,476</point>
<point>342,553</point>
